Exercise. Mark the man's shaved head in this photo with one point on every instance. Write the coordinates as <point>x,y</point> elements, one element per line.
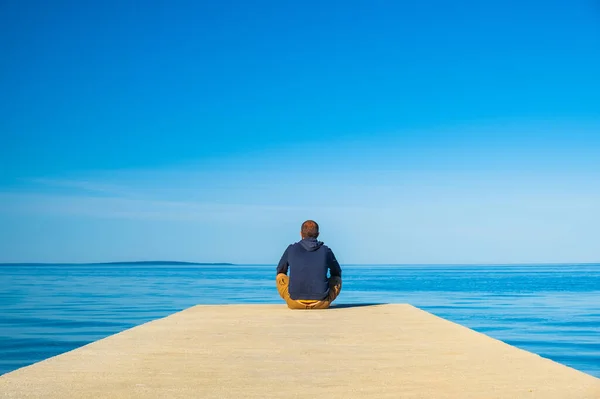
<point>310,229</point>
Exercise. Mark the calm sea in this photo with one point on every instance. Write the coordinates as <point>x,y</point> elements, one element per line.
<point>552,310</point>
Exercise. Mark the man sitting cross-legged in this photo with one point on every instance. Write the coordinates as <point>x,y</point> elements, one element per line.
<point>308,261</point>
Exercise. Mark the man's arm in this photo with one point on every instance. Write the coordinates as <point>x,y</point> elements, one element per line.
<point>334,266</point>
<point>283,265</point>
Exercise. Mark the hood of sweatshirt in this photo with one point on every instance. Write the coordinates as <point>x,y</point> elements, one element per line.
<point>311,244</point>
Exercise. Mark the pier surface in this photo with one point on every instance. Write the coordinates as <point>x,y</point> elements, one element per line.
<point>268,351</point>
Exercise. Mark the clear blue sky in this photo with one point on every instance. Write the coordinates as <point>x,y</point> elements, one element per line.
<point>413,132</point>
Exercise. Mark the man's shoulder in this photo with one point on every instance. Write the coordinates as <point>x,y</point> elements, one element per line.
<point>298,244</point>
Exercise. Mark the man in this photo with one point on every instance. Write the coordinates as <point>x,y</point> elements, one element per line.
<point>308,260</point>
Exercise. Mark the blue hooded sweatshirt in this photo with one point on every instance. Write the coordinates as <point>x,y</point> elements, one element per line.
<point>308,261</point>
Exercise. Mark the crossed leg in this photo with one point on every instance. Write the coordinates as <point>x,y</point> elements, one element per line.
<point>283,282</point>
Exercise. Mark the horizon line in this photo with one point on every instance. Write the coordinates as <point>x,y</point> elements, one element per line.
<point>169,262</point>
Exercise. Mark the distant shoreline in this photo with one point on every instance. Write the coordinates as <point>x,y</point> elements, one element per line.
<point>145,263</point>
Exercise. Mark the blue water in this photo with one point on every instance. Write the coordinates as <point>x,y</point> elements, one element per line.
<point>552,310</point>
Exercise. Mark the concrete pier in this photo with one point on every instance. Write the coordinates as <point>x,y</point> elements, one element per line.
<point>268,351</point>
